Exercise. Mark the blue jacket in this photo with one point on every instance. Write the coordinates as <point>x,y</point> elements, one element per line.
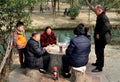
<point>78,51</point>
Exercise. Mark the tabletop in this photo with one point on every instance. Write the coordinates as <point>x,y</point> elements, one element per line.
<point>56,49</point>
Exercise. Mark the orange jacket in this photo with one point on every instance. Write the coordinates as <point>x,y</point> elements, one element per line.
<point>19,40</point>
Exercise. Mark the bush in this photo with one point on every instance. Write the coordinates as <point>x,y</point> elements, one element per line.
<point>74,12</point>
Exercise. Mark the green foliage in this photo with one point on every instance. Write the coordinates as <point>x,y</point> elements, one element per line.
<point>30,4</point>
<point>74,11</point>
<point>41,1</point>
<point>12,11</point>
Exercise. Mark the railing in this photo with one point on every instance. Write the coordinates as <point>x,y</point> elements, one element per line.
<point>5,64</point>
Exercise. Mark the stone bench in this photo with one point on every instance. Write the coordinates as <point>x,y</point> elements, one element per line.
<point>78,74</point>
<point>33,74</point>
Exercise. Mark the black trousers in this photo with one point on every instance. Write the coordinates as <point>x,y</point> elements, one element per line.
<point>99,51</point>
<point>46,61</point>
<point>66,64</point>
<point>22,53</point>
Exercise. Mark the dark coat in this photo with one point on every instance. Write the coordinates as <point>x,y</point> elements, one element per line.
<point>33,58</point>
<point>78,51</point>
<point>103,28</point>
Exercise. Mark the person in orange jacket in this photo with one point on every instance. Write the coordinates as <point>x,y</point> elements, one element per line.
<point>20,41</point>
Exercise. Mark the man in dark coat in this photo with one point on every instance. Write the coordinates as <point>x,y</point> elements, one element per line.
<point>36,57</point>
<point>102,36</point>
<point>77,52</point>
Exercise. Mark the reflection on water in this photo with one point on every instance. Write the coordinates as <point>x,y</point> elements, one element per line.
<point>62,35</point>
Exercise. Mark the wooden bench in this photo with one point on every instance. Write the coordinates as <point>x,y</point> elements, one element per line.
<point>78,74</point>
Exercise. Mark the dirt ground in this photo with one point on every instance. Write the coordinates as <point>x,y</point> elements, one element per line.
<point>110,72</point>
<point>40,20</point>
<point>112,52</point>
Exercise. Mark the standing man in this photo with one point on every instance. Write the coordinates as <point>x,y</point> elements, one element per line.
<point>102,36</point>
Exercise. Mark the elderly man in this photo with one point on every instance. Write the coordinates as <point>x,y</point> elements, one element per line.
<point>36,57</point>
<point>102,35</point>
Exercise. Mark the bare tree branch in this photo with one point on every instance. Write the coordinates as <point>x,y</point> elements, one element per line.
<point>90,6</point>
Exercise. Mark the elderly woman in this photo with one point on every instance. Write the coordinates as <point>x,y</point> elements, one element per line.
<point>77,52</point>
<point>48,37</point>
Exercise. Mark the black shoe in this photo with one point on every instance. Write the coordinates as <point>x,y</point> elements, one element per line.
<point>23,66</point>
<point>43,71</point>
<point>97,70</point>
<point>94,64</point>
<point>66,75</point>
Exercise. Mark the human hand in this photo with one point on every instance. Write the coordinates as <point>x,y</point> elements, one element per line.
<point>97,36</point>
<point>46,48</point>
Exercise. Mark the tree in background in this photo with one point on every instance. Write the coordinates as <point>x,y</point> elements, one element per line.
<point>74,9</point>
<point>31,4</point>
<point>107,4</point>
<point>12,11</point>
<point>41,3</point>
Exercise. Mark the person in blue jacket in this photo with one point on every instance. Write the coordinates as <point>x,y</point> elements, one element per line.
<point>77,52</point>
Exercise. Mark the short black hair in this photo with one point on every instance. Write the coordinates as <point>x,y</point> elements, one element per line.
<point>35,33</point>
<point>48,27</point>
<point>19,23</point>
<point>79,30</point>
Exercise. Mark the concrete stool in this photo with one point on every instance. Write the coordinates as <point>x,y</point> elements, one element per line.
<point>35,75</point>
<point>78,74</point>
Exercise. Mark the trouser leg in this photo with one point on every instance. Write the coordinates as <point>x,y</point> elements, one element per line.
<point>46,61</point>
<point>99,50</point>
<point>66,64</point>
<point>20,56</point>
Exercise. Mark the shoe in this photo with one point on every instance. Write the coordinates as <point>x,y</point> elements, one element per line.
<point>66,75</point>
<point>22,66</point>
<point>42,71</point>
<point>94,64</point>
<point>97,70</point>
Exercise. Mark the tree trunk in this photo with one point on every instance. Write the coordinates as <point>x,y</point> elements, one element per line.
<point>41,8</point>
<point>54,6</point>
<point>58,5</point>
<point>71,2</point>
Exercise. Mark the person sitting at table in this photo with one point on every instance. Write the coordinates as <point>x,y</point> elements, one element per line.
<point>77,52</point>
<point>48,37</point>
<point>36,57</point>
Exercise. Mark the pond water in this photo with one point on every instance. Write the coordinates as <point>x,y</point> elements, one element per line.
<point>66,35</point>
<point>62,35</point>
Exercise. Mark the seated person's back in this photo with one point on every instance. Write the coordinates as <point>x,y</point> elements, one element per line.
<point>77,52</point>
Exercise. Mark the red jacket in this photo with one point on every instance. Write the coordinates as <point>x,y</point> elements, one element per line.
<point>48,39</point>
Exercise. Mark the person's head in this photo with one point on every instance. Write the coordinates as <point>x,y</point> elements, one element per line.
<point>79,30</point>
<point>20,26</point>
<point>48,30</point>
<point>98,9</point>
<point>36,36</point>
